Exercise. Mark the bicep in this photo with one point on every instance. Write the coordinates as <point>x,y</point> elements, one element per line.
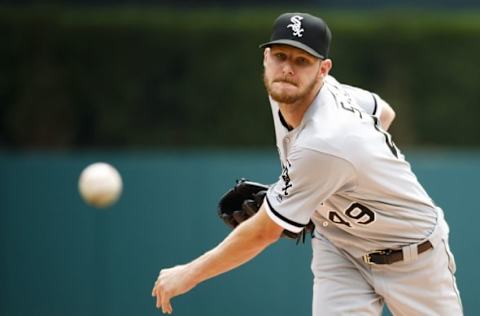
<point>366,100</point>
<point>267,227</point>
<point>387,115</point>
<point>373,104</point>
<point>308,180</point>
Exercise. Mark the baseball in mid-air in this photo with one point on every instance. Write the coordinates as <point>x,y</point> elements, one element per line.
<point>100,184</point>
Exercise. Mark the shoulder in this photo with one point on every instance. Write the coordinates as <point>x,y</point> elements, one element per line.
<point>320,150</point>
<point>330,126</point>
<point>366,100</point>
<point>324,162</point>
<point>343,136</point>
<point>328,141</point>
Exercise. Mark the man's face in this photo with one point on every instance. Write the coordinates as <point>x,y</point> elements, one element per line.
<point>290,73</point>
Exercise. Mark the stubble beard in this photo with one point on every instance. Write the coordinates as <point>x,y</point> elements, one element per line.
<point>284,96</point>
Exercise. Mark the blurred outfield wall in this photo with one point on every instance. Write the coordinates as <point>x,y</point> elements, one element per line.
<point>60,257</point>
<point>154,77</point>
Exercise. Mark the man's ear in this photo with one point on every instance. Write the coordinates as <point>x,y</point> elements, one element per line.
<point>266,52</point>
<point>325,67</point>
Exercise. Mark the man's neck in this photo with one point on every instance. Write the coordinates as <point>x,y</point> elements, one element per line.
<point>293,112</point>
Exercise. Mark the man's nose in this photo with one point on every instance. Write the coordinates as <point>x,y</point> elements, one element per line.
<point>287,69</point>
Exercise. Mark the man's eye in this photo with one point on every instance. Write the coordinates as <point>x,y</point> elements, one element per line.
<point>280,56</point>
<point>302,61</point>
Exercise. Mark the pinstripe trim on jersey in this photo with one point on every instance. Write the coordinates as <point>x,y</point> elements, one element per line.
<point>281,220</point>
<point>375,105</point>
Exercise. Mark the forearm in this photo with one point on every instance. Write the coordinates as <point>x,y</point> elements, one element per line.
<point>243,244</point>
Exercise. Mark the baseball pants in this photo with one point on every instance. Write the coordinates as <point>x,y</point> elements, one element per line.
<point>344,285</point>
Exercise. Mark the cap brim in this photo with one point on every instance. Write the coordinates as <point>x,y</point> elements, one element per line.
<point>294,44</point>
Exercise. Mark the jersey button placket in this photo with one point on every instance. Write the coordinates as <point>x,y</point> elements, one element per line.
<point>286,143</point>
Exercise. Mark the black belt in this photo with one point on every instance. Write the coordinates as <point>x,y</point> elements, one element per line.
<point>389,256</point>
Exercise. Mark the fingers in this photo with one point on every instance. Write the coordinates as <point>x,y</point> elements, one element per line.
<point>166,306</point>
<point>158,304</point>
<point>240,216</point>
<point>162,300</point>
<point>259,197</point>
<point>155,287</point>
<point>157,292</point>
<point>229,220</point>
<point>250,207</point>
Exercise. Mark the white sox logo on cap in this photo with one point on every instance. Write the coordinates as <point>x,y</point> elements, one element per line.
<point>303,31</point>
<point>296,25</point>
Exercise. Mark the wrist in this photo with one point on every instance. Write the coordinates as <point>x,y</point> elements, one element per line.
<point>192,274</point>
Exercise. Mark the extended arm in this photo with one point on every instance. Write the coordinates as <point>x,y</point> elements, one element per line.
<point>241,245</point>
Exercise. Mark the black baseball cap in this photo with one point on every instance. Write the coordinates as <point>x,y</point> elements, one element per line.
<point>302,30</point>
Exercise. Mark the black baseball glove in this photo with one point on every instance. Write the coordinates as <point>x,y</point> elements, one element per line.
<point>243,201</point>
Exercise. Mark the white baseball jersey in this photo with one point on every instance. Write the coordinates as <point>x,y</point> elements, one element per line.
<point>342,170</point>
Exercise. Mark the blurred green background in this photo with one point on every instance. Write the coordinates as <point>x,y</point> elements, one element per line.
<point>172,96</point>
<point>138,78</point>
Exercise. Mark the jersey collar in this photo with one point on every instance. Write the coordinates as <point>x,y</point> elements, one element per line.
<point>315,106</point>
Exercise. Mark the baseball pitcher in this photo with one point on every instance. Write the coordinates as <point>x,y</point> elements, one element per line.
<point>377,237</point>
